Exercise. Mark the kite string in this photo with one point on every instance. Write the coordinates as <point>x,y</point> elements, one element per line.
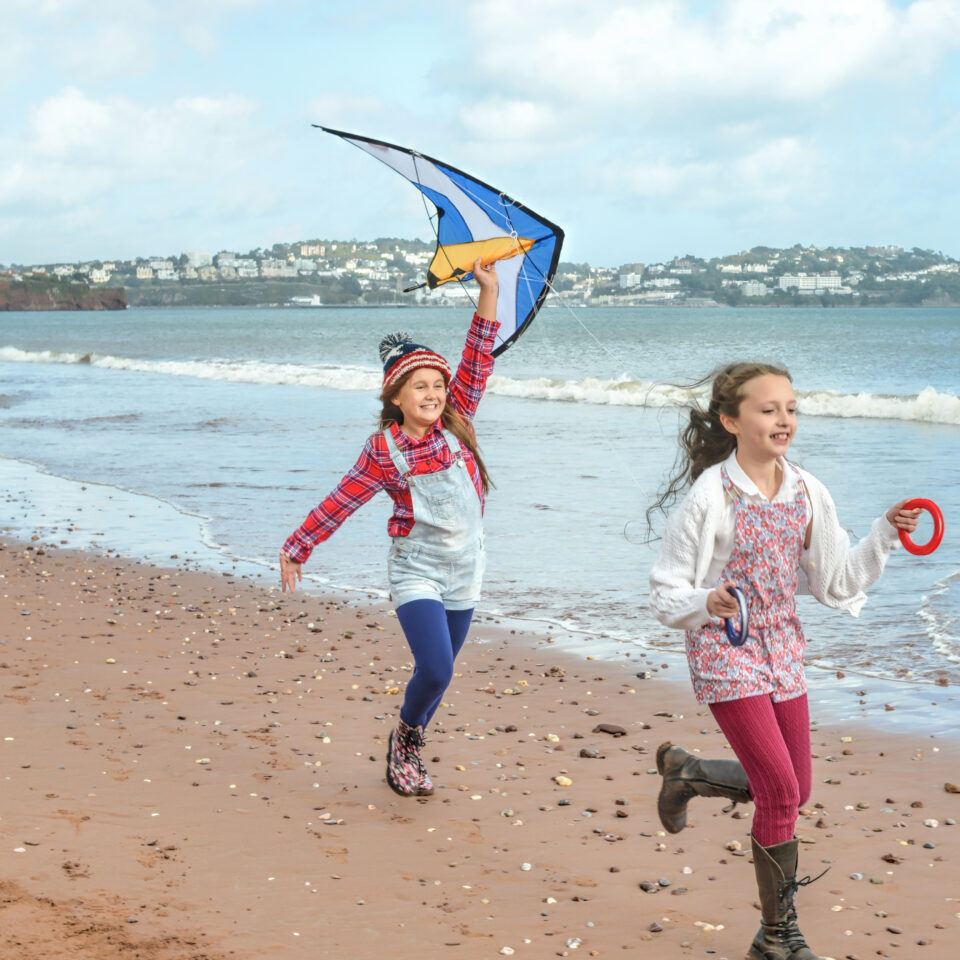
<point>505,203</point>
<point>625,464</point>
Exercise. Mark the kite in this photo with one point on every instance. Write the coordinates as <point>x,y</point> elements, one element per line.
<point>477,220</point>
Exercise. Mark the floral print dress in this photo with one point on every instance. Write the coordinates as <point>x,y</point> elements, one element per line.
<point>768,542</point>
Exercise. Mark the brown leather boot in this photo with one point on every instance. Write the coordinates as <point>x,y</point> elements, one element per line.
<point>779,937</point>
<point>686,776</point>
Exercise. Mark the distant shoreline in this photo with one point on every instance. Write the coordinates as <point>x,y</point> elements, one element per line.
<point>673,305</point>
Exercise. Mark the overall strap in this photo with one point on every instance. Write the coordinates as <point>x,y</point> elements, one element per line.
<point>396,456</point>
<point>455,445</point>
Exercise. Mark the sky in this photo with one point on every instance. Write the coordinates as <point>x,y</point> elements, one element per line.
<point>646,129</point>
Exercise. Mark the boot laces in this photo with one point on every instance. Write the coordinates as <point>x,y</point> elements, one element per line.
<point>418,742</point>
<point>413,744</point>
<point>791,886</point>
<point>788,930</point>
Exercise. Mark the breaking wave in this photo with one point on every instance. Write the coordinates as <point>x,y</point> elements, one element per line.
<point>929,406</point>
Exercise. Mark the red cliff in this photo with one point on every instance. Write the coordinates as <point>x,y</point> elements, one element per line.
<point>33,294</point>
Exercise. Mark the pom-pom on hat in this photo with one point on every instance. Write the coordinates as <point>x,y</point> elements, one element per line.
<point>400,355</point>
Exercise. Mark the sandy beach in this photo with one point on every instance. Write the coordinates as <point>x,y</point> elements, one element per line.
<point>193,770</point>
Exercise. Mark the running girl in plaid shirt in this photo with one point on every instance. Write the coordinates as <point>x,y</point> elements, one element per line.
<point>425,457</point>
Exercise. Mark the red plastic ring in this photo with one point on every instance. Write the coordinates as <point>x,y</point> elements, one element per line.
<point>922,549</point>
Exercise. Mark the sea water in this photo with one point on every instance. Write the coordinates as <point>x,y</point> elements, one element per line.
<point>209,434</point>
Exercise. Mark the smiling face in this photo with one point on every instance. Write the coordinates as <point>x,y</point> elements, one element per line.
<point>767,420</point>
<point>421,400</point>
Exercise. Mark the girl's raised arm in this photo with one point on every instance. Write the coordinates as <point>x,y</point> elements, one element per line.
<point>476,363</point>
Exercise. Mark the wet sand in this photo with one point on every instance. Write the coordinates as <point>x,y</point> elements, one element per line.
<point>192,767</point>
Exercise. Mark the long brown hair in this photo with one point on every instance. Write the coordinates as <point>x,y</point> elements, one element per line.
<point>451,420</point>
<point>704,441</point>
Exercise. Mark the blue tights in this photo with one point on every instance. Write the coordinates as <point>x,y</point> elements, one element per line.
<point>435,635</point>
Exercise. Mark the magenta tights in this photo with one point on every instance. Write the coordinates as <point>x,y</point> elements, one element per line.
<point>772,741</point>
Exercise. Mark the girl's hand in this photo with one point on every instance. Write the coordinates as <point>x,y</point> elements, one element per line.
<point>486,276</point>
<point>289,574</point>
<point>904,519</point>
<point>722,604</point>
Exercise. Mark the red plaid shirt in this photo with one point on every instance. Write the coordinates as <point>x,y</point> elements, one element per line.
<point>374,470</point>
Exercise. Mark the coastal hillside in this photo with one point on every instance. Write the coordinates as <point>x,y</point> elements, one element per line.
<point>47,293</point>
<point>389,270</point>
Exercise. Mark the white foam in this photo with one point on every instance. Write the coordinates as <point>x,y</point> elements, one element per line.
<point>928,406</point>
<point>233,371</point>
<point>14,355</point>
<point>939,625</point>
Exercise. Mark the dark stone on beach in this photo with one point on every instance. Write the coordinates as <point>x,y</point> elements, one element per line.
<point>610,728</point>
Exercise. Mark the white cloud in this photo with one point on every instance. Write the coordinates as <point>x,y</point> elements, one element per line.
<point>76,147</point>
<point>659,177</point>
<point>507,119</point>
<point>709,108</point>
<point>95,40</point>
<point>655,55</point>
<point>775,171</point>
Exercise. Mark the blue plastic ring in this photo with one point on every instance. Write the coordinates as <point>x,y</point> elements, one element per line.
<point>737,637</point>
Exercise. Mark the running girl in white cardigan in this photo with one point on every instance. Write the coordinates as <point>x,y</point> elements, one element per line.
<point>755,521</point>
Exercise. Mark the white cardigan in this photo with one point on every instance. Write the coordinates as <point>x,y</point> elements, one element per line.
<point>835,572</point>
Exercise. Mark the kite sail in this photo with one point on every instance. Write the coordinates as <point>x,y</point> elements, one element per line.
<point>477,220</point>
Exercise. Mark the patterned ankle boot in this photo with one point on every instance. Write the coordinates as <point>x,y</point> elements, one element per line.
<point>425,787</point>
<point>425,784</point>
<point>403,760</point>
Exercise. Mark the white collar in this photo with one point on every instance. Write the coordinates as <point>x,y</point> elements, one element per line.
<point>788,483</point>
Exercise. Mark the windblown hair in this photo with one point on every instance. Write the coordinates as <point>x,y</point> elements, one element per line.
<point>450,418</point>
<point>704,441</point>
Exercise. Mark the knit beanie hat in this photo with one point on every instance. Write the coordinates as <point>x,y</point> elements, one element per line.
<point>400,355</point>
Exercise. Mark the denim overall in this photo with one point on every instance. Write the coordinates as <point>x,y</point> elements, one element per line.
<point>442,558</point>
<point>768,541</point>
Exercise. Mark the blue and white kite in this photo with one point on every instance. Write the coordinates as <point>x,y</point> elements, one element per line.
<point>477,220</point>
